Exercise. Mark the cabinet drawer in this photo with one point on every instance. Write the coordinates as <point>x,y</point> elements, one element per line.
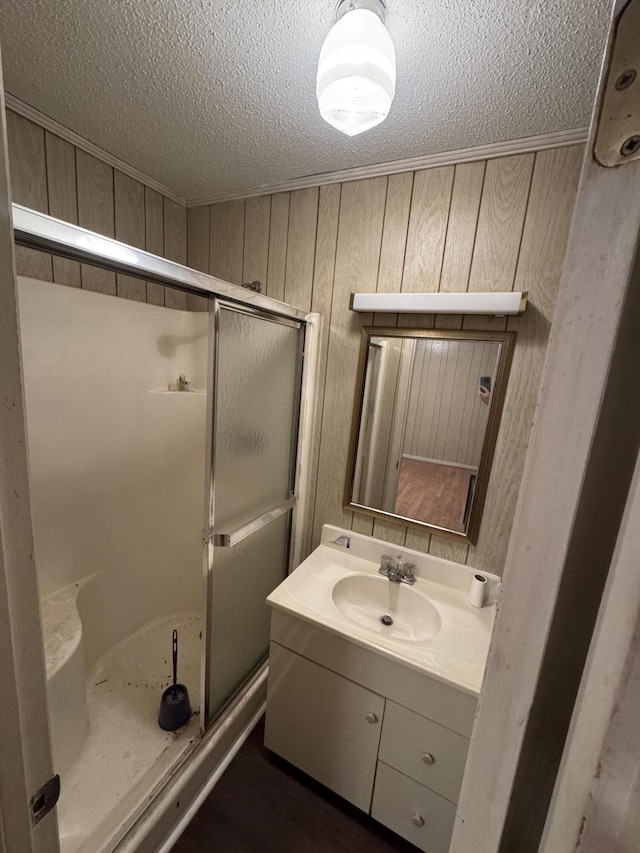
<point>413,811</point>
<point>324,724</point>
<point>409,743</point>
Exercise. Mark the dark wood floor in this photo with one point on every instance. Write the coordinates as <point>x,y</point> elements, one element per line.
<point>264,805</point>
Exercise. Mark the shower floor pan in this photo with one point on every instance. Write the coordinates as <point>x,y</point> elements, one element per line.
<point>126,753</point>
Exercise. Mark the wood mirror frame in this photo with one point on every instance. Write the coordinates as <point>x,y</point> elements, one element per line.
<point>473,481</point>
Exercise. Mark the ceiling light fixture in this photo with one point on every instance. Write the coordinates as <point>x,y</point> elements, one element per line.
<point>357,68</point>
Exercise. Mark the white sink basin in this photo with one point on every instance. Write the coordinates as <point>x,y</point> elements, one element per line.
<point>368,599</point>
<point>434,628</point>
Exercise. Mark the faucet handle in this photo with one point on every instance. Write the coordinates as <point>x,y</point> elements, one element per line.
<point>409,571</point>
<point>386,561</point>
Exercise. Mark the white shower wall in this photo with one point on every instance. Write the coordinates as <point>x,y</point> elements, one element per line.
<point>116,463</point>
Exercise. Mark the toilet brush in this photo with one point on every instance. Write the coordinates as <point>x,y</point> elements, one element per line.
<point>175,709</point>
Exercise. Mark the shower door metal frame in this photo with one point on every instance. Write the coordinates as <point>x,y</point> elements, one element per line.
<point>213,538</point>
<point>39,231</point>
<point>44,233</point>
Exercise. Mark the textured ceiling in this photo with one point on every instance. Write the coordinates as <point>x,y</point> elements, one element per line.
<point>213,97</point>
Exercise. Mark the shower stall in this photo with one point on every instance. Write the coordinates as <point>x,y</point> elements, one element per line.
<point>166,449</point>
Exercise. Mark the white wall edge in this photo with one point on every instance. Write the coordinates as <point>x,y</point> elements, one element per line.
<point>558,139</point>
<point>50,124</point>
<point>308,405</point>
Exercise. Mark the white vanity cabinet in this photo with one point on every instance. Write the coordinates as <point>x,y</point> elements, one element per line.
<point>384,736</point>
<point>323,723</point>
<point>418,778</point>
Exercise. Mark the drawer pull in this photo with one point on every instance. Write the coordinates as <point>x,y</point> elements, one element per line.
<point>371,718</point>
<point>417,820</point>
<point>428,758</point>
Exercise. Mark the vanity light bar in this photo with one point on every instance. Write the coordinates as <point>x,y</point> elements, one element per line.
<point>440,303</point>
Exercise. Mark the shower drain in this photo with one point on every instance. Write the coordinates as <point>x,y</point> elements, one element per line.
<point>386,620</point>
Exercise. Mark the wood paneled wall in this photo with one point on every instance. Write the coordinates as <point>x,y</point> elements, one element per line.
<point>51,175</point>
<point>495,225</point>
<point>446,419</point>
<point>491,225</point>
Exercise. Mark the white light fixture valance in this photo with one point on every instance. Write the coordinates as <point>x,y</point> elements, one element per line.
<point>440,303</point>
<point>357,68</point>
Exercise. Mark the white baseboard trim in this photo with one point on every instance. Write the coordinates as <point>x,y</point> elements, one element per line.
<point>440,462</point>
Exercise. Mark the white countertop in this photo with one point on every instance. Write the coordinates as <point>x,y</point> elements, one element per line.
<point>456,654</point>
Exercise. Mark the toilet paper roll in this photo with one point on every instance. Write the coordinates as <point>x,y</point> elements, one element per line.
<point>478,590</point>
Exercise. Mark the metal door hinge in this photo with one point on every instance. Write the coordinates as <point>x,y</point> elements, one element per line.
<point>618,133</point>
<point>45,799</point>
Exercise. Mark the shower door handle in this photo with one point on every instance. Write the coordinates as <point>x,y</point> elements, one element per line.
<point>228,540</point>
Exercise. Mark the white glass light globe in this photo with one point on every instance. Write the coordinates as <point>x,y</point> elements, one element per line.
<point>356,73</point>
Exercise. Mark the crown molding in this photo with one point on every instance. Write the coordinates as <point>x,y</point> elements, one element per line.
<point>34,115</point>
<point>559,139</point>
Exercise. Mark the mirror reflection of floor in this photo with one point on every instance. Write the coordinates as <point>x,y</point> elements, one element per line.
<point>433,492</point>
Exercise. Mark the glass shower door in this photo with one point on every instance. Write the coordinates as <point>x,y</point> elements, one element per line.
<point>257,376</point>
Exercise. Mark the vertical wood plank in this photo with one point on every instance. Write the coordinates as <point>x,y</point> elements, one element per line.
<point>154,238</point>
<point>504,201</point>
<point>395,534</point>
<point>356,269</point>
<point>462,225</point>
<point>95,212</point>
<point>419,540</point>
<point>278,238</point>
<point>257,216</point>
<point>394,240</point>
<point>502,210</point>
<point>175,248</point>
<point>546,230</point>
<point>427,229</point>
<point>323,278</point>
<point>28,170</point>
<point>449,549</point>
<point>362,524</point>
<point>198,251</point>
<point>27,162</point>
<point>426,239</point>
<point>227,241</point>
<point>130,229</point>
<point>198,238</point>
<point>303,220</point>
<point>63,200</point>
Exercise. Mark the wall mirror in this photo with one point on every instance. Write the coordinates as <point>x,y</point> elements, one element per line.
<point>426,417</point>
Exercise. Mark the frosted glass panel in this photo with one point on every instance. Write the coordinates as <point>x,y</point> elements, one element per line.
<point>257,402</point>
<point>239,625</point>
<point>254,435</point>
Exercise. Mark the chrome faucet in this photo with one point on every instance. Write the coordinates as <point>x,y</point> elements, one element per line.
<point>401,572</point>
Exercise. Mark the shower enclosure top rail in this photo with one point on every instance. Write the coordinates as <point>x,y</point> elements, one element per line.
<point>45,233</point>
